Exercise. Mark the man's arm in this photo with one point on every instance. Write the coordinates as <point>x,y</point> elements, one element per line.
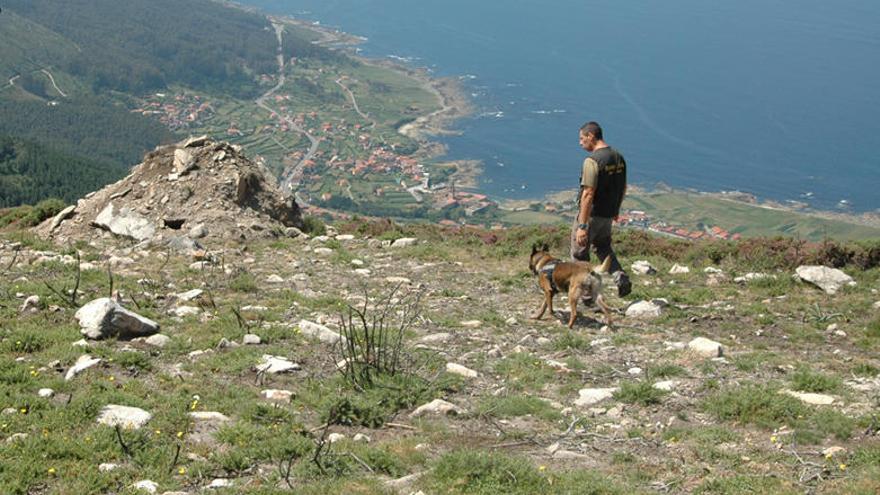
<point>587,195</point>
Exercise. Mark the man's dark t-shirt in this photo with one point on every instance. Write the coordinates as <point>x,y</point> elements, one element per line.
<point>605,172</point>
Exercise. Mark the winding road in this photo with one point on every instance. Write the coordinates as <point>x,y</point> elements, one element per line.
<point>52,79</point>
<point>354,102</point>
<point>291,175</point>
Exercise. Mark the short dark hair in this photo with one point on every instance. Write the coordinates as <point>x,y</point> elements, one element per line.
<point>592,128</point>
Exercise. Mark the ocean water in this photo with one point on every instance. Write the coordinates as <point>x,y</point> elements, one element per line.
<point>776,98</point>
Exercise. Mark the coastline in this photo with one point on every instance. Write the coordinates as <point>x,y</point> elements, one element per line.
<point>451,98</point>
<point>454,104</point>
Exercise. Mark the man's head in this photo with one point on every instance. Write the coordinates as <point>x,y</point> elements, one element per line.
<point>590,136</point>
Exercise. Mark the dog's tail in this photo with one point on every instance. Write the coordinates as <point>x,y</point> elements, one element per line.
<point>605,267</point>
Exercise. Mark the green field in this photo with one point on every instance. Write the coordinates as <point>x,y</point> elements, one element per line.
<point>691,210</point>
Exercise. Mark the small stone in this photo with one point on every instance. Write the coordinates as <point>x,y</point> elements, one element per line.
<point>511,322</point>
<point>679,270</point>
<point>274,365</point>
<point>157,340</point>
<point>460,370</point>
<point>335,437</point>
<point>105,318</point>
<point>345,238</point>
<point>404,242</point>
<point>83,363</point>
<point>398,280</point>
<point>439,407</point>
<point>46,393</point>
<point>189,295</point>
<point>220,483</point>
<point>665,386</point>
<point>712,270</point>
<point>590,396</point>
<point>357,262</point>
<point>436,338</point>
<point>705,347</point>
<point>751,276</point>
<point>124,416</point>
<point>634,371</point>
<point>644,310</point>
<point>208,416</point>
<point>274,279</point>
<point>251,339</point>
<point>283,396</point>
<point>15,437</point>
<point>360,437</point>
<point>30,305</point>
<point>107,467</point>
<point>834,451</point>
<point>147,486</point>
<point>363,272</point>
<point>642,267</point>
<point>472,324</point>
<point>184,311</point>
<point>323,251</point>
<point>320,332</point>
<point>810,398</point>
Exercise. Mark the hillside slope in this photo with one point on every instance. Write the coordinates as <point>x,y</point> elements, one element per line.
<point>790,406</point>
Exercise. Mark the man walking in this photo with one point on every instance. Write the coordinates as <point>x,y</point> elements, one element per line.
<point>602,188</point>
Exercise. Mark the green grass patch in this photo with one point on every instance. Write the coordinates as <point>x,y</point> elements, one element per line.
<point>513,406</point>
<point>806,380</point>
<point>642,393</point>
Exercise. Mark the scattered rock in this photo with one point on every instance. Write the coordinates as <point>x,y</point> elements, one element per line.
<point>320,332</point>
<point>828,279</point>
<point>665,386</point>
<point>31,305</point>
<point>460,370</point>
<point>274,365</point>
<point>208,416</point>
<point>644,310</point>
<point>679,269</point>
<point>834,451</point>
<point>404,242</point>
<point>15,437</point>
<point>274,279</point>
<point>188,296</point>
<point>810,398</point>
<point>185,311</point>
<point>642,267</point>
<point>712,270</point>
<point>105,318</point>
<point>751,276</point>
<point>146,486</point>
<point>398,280</point>
<point>335,437</point>
<point>705,347</point>
<point>436,338</point>
<point>323,251</point>
<point>46,393</point>
<point>472,324</point>
<point>83,363</point>
<point>221,483</point>
<point>61,216</point>
<point>360,437</point>
<point>157,340</point>
<point>438,407</point>
<point>590,396</point>
<point>107,467</point>
<point>251,339</point>
<point>282,396</point>
<point>124,416</point>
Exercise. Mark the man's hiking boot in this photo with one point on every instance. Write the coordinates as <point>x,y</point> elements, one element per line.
<point>624,286</point>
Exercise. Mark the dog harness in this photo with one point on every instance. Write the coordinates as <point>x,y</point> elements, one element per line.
<point>548,270</point>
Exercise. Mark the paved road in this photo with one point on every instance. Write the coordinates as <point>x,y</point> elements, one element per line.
<point>290,177</point>
<point>354,102</point>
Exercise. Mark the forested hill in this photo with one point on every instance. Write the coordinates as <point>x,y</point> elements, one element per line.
<point>71,71</point>
<point>30,172</point>
<point>135,46</point>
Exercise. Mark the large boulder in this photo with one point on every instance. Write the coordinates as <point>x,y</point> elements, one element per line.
<point>830,280</point>
<point>124,222</point>
<point>105,318</point>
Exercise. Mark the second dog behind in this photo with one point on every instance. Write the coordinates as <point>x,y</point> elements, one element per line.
<point>577,279</point>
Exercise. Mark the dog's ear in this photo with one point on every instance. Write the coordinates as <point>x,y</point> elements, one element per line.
<point>534,249</point>
<point>545,247</point>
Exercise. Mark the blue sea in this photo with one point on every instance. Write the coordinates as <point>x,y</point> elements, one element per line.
<point>776,98</point>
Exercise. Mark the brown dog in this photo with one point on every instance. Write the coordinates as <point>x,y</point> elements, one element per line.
<point>578,279</point>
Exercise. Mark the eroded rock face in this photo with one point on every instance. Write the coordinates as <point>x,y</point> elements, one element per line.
<point>124,222</point>
<point>105,318</point>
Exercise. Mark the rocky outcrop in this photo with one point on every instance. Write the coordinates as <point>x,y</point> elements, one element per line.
<point>175,194</point>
